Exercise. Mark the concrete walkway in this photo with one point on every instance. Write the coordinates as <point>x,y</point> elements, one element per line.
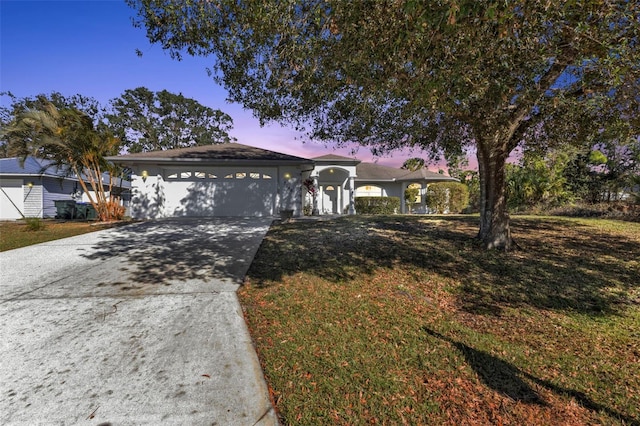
<point>133,325</point>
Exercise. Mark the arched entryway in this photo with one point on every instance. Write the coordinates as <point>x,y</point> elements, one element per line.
<point>334,178</point>
<point>333,189</point>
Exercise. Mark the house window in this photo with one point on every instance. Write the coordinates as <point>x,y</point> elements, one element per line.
<point>198,174</point>
<point>369,191</point>
<point>329,188</point>
<point>205,175</point>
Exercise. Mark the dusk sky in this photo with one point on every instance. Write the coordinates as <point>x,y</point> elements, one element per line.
<point>89,47</point>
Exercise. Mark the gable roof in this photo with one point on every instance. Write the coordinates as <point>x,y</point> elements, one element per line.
<point>334,157</point>
<point>40,167</point>
<point>235,153</point>
<point>213,154</point>
<point>337,160</point>
<point>32,167</point>
<point>372,171</point>
<point>377,172</point>
<point>424,174</point>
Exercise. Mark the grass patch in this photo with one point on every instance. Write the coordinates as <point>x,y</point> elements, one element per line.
<point>404,320</point>
<point>18,234</point>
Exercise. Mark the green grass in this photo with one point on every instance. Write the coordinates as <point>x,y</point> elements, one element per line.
<point>405,320</point>
<point>25,233</point>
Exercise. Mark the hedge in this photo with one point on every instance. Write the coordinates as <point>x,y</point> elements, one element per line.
<point>377,205</point>
<point>450,197</point>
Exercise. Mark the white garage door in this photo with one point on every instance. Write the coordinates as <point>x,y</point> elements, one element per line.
<point>220,192</point>
<point>11,199</point>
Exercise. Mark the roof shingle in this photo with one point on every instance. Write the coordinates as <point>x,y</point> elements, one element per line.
<point>31,166</point>
<point>372,171</point>
<point>217,152</point>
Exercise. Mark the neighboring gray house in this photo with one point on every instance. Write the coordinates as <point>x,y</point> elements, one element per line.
<point>30,190</point>
<point>240,180</point>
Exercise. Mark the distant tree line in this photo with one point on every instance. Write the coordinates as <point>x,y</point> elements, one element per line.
<point>603,172</point>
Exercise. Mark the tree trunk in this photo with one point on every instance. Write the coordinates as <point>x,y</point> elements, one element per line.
<point>494,218</point>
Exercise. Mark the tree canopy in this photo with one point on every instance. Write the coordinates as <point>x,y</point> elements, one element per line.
<point>436,75</point>
<point>413,164</point>
<point>154,121</point>
<point>17,106</point>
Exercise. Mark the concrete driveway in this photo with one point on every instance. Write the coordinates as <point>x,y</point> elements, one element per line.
<point>132,325</point>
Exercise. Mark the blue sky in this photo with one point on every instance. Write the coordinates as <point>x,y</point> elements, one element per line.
<point>89,47</point>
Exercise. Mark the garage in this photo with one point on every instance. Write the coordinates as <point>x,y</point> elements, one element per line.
<point>11,199</point>
<point>221,192</point>
<point>228,179</point>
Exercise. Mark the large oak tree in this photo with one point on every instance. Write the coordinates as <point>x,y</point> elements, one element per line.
<point>440,75</point>
<point>153,121</point>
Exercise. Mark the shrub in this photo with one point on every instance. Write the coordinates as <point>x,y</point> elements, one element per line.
<point>111,210</point>
<point>450,197</point>
<point>377,205</point>
<point>410,195</point>
<point>34,224</point>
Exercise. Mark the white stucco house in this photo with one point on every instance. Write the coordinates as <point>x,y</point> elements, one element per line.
<point>240,180</point>
<point>30,189</point>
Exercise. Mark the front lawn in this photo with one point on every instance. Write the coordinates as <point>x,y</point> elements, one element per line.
<point>404,320</point>
<point>17,234</point>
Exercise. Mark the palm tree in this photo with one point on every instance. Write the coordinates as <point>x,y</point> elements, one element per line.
<point>67,138</point>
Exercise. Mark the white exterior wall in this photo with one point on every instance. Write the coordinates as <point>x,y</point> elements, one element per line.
<point>38,199</point>
<point>147,196</point>
<point>290,190</point>
<point>394,190</point>
<point>11,199</point>
<point>33,200</point>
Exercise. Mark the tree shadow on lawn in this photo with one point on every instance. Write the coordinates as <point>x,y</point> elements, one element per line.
<point>162,252</point>
<point>507,379</point>
<point>560,266</point>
